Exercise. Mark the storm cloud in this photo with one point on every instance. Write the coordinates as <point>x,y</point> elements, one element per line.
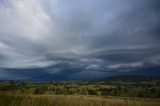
<point>78,39</point>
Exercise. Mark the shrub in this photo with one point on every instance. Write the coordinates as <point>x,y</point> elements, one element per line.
<point>39,91</point>
<point>92,92</point>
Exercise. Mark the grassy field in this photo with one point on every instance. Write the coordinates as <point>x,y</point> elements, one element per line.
<point>73,100</point>
<point>106,92</point>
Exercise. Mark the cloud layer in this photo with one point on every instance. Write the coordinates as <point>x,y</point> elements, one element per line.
<point>66,39</point>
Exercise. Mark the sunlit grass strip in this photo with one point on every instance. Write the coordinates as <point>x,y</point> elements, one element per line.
<point>72,100</point>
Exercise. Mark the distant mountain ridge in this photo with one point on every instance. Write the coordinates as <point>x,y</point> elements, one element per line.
<point>133,78</point>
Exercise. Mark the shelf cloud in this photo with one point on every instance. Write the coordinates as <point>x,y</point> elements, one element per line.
<point>66,39</point>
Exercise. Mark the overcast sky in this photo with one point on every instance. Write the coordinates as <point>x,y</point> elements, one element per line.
<point>77,38</point>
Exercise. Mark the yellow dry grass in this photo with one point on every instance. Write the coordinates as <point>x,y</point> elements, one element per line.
<point>73,100</point>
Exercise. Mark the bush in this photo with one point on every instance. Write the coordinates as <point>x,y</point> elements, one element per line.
<point>39,91</point>
<point>92,92</point>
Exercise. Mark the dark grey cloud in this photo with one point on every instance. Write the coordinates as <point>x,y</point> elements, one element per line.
<point>66,39</point>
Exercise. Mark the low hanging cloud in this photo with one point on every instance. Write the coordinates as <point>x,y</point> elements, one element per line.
<point>64,38</point>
